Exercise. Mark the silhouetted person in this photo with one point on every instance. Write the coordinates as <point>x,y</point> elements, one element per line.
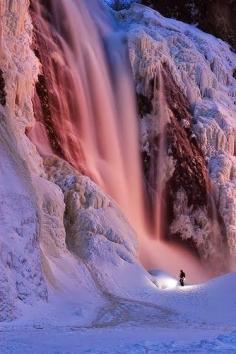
<point>181,277</point>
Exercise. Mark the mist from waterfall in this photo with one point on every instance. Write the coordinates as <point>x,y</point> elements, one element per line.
<point>95,120</point>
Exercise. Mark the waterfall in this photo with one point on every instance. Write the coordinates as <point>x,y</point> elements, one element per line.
<point>96,124</point>
<point>93,120</point>
<point>162,115</point>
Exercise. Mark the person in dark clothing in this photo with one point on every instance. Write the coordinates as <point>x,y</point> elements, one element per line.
<point>182,277</point>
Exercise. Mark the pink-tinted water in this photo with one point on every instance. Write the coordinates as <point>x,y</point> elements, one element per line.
<point>160,109</point>
<point>95,119</point>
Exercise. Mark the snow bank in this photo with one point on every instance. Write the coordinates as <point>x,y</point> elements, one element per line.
<point>212,302</point>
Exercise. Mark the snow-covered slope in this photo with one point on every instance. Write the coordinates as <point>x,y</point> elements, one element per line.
<point>202,68</point>
<point>215,298</point>
<point>193,319</point>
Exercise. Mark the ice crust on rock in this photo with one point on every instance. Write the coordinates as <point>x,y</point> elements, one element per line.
<point>202,67</point>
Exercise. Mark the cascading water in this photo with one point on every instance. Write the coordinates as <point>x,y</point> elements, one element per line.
<point>162,115</point>
<point>96,127</point>
<point>93,120</point>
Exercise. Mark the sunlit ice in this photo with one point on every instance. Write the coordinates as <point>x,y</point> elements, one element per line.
<point>166,283</point>
<point>163,280</point>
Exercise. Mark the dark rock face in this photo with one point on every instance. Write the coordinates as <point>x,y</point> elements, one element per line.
<point>215,17</point>
<point>43,96</point>
<point>234,73</point>
<point>2,90</point>
<point>144,104</point>
<point>45,102</point>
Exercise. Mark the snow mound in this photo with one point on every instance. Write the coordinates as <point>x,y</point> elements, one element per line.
<point>212,302</point>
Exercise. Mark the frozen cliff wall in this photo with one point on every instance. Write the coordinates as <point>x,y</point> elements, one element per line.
<point>200,88</point>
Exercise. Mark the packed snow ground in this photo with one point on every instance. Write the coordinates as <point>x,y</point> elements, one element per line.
<point>193,319</point>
